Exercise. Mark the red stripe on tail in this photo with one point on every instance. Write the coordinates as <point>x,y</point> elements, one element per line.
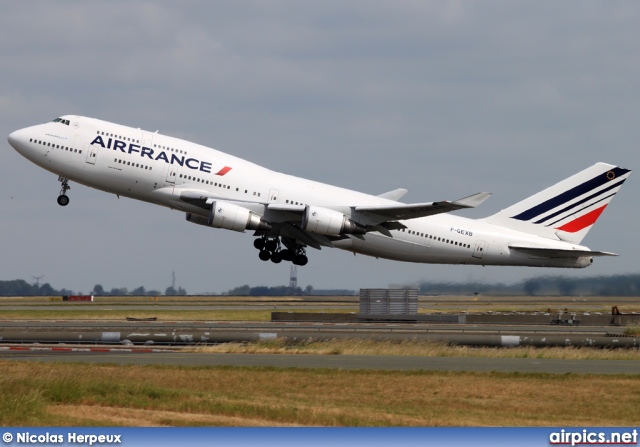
<point>582,221</point>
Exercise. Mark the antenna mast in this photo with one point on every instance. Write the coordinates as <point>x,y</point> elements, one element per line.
<point>37,278</point>
<point>293,280</point>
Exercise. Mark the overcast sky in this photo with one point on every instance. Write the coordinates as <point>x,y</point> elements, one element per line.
<point>445,98</point>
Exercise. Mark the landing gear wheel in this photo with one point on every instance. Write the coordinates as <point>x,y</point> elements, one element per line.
<point>300,260</point>
<point>259,243</point>
<point>63,200</point>
<point>264,255</point>
<point>287,255</point>
<point>271,245</point>
<point>276,257</point>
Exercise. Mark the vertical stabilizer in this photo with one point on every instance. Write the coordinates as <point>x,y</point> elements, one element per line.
<point>567,210</point>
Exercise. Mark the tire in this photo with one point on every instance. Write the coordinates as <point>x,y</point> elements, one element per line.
<point>63,200</point>
<point>276,258</point>
<point>271,245</point>
<point>264,255</point>
<point>259,243</point>
<point>287,255</point>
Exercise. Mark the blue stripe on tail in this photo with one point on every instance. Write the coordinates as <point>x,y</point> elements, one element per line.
<point>571,194</point>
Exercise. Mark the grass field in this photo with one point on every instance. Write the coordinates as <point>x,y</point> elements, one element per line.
<point>416,348</point>
<point>189,314</point>
<point>49,394</point>
<point>67,395</point>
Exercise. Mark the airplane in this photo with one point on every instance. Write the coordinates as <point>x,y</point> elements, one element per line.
<point>289,214</point>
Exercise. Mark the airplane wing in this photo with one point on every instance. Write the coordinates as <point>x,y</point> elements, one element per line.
<point>558,253</point>
<point>288,220</point>
<point>379,213</point>
<point>384,213</point>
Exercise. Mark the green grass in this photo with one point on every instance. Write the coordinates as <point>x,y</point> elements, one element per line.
<point>632,330</point>
<point>42,394</point>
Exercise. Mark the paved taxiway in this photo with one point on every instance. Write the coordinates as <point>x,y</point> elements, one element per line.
<point>350,362</point>
<point>347,328</point>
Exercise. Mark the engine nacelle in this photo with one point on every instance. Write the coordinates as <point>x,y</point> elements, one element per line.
<point>328,222</point>
<point>230,217</point>
<point>198,220</point>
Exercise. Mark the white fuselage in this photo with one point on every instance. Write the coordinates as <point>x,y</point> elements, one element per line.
<point>156,168</point>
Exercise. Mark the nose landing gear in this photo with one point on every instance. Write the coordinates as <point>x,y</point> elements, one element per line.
<point>63,199</point>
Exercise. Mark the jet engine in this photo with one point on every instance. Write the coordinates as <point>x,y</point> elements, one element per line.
<point>328,222</point>
<point>230,217</point>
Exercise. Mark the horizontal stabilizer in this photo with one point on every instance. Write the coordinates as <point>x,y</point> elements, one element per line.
<point>559,253</point>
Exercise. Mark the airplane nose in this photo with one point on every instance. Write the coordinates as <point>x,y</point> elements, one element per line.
<point>13,139</point>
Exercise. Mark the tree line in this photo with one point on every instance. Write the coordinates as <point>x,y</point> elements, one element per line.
<point>614,285</point>
<point>19,287</point>
<point>247,290</point>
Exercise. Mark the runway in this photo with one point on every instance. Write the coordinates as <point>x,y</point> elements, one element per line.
<point>502,329</point>
<point>346,362</point>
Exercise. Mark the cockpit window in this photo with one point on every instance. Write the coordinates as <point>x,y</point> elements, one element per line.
<point>60,120</point>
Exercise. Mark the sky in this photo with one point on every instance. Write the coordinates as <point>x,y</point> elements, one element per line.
<point>444,98</point>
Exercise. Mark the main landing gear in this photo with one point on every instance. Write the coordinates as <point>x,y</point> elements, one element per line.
<point>63,199</point>
<point>270,249</point>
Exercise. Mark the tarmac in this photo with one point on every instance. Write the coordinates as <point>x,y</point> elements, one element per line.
<point>159,342</point>
<point>345,362</point>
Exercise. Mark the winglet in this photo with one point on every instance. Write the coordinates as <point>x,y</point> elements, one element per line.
<point>473,200</point>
